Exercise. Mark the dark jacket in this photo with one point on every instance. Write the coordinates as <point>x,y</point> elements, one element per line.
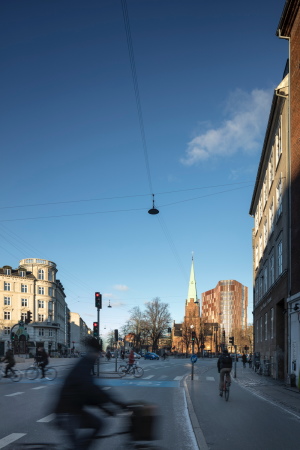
<point>9,358</point>
<point>79,390</point>
<point>42,357</point>
<point>224,362</point>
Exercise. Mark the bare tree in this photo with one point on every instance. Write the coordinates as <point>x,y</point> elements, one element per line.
<point>136,325</point>
<point>156,319</point>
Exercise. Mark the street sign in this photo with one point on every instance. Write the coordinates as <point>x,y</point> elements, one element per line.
<point>194,358</point>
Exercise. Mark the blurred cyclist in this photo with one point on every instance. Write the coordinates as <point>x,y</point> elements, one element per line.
<point>78,392</point>
<point>10,359</point>
<point>224,369</point>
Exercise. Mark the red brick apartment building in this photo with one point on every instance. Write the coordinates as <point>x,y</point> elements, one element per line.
<point>226,305</point>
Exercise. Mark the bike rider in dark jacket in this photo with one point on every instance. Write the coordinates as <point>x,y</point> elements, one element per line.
<point>10,359</point>
<point>224,368</point>
<point>78,392</point>
<point>42,359</point>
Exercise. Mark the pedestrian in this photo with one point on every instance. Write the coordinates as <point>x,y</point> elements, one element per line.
<point>244,359</point>
<point>123,354</point>
<point>108,355</point>
<point>10,359</point>
<point>250,361</point>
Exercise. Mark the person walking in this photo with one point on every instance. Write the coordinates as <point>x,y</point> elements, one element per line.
<point>224,368</point>
<point>250,361</point>
<point>244,359</point>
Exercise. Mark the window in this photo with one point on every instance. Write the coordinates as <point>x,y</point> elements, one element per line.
<point>24,288</point>
<point>256,220</point>
<point>260,209</point>
<point>50,333</point>
<point>23,316</point>
<point>24,301</point>
<point>260,247</point>
<point>50,275</point>
<point>266,233</point>
<point>265,191</point>
<point>41,317</point>
<point>266,326</point>
<point>271,217</point>
<point>261,329</point>
<point>279,258</point>
<point>41,303</point>
<point>256,256</point>
<point>271,171</point>
<point>41,290</point>
<point>41,274</point>
<point>6,286</point>
<point>260,286</point>
<point>272,323</point>
<point>256,291</point>
<point>6,315</point>
<point>41,331</point>
<point>272,274</point>
<point>265,278</point>
<point>278,142</point>
<point>257,334</point>
<point>7,301</point>
<point>6,330</point>
<point>22,273</point>
<point>279,197</point>
<point>50,292</point>
<point>7,271</point>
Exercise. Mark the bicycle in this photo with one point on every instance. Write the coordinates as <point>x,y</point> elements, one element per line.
<point>32,372</point>
<point>13,374</point>
<point>141,429</point>
<point>226,386</point>
<point>128,369</point>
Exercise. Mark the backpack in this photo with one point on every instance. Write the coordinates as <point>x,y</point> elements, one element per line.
<point>226,362</point>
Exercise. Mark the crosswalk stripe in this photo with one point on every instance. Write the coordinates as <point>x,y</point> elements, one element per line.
<point>47,418</point>
<point>11,395</point>
<point>39,387</point>
<point>210,378</point>
<point>178,378</point>
<point>148,378</point>
<point>10,438</point>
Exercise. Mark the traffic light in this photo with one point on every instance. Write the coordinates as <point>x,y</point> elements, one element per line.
<point>116,335</point>
<point>12,336</point>
<point>29,317</point>
<point>98,300</point>
<point>96,329</point>
<point>231,340</point>
<point>193,335</point>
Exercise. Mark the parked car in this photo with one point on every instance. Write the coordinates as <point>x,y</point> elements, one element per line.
<point>151,355</point>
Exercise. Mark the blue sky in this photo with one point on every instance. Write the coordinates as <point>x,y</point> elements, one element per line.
<point>74,179</point>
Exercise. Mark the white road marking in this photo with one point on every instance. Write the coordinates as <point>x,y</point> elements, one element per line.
<point>163,376</point>
<point>178,378</point>
<point>11,395</point>
<point>210,378</point>
<point>47,418</point>
<point>106,388</point>
<point>196,377</point>
<point>39,387</point>
<point>10,438</point>
<point>148,378</point>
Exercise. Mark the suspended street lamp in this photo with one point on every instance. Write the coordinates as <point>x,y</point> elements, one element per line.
<point>153,210</point>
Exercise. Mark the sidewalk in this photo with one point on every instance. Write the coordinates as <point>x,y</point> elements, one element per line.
<point>273,390</point>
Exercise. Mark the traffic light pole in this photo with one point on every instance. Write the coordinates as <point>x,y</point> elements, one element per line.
<point>192,375</point>
<point>98,359</point>
<point>235,361</point>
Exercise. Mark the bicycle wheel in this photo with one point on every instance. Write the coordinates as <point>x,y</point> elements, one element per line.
<point>31,373</point>
<point>122,371</point>
<point>50,373</point>
<point>138,372</point>
<point>226,391</point>
<point>16,375</point>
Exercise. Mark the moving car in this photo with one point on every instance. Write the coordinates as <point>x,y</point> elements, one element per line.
<point>151,355</point>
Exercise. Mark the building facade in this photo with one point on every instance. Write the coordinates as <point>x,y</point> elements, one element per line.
<point>32,288</point>
<point>225,309</point>
<point>289,28</point>
<point>79,331</point>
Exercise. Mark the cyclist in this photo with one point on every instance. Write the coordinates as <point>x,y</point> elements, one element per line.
<point>130,361</point>
<point>79,392</point>
<point>224,369</point>
<point>10,359</point>
<point>42,359</point>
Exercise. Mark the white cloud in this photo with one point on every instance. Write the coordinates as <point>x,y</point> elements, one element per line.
<point>242,131</point>
<point>121,287</point>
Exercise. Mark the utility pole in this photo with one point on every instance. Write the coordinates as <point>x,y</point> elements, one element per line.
<point>98,304</point>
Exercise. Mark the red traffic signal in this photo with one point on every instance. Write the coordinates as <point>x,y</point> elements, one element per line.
<point>95,329</point>
<point>98,300</point>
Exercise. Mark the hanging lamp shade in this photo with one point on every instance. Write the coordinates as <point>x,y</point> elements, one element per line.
<point>153,210</point>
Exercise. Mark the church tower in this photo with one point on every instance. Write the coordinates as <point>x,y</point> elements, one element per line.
<point>192,304</point>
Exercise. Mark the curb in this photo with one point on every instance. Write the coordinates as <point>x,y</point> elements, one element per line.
<point>194,421</point>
